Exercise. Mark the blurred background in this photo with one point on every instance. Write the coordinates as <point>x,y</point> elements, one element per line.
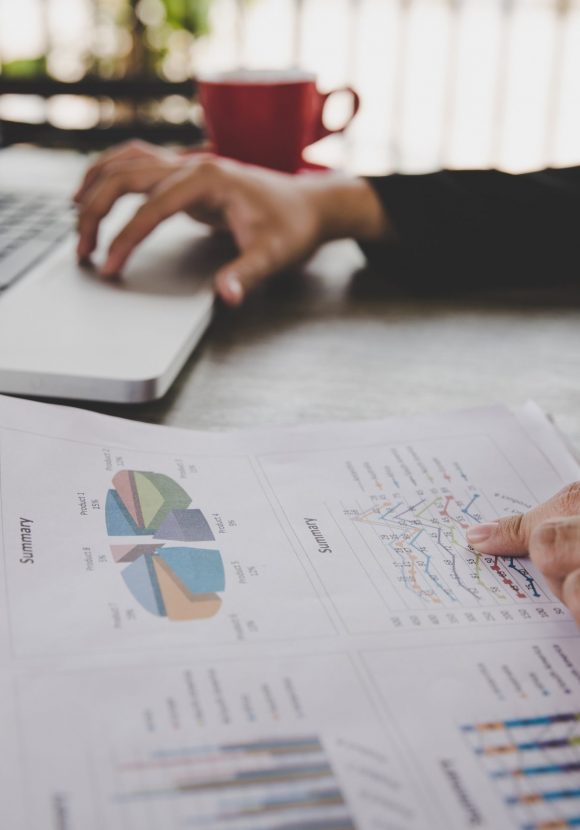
<point>457,83</point>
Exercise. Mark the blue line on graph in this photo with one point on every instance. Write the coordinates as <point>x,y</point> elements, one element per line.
<point>428,560</point>
<point>466,509</point>
<point>456,576</point>
<point>386,513</point>
<point>530,581</point>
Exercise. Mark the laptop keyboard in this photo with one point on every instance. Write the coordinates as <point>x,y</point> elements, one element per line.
<point>30,225</point>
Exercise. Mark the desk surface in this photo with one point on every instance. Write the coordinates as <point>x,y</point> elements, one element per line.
<point>335,343</point>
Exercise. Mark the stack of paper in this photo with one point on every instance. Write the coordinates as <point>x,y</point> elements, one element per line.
<point>281,630</point>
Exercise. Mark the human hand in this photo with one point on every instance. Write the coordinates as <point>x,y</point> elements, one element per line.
<point>277,220</point>
<point>134,167</point>
<point>550,533</point>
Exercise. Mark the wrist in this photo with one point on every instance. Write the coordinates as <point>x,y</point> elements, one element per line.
<point>347,207</point>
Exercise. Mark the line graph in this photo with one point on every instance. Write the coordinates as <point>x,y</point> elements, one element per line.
<point>407,526</point>
<point>393,519</point>
<point>425,541</point>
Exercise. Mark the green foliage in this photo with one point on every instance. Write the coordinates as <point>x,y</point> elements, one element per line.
<point>25,68</point>
<point>191,15</point>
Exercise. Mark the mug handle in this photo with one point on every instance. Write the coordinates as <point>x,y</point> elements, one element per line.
<point>323,130</point>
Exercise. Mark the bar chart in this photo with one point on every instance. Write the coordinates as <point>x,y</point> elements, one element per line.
<point>282,783</point>
<point>535,764</point>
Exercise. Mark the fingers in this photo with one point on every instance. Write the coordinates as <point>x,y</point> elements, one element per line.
<point>136,177</point>
<point>511,535</point>
<point>551,534</point>
<point>225,195</point>
<point>236,279</point>
<point>145,220</point>
<point>126,152</point>
<point>506,536</point>
<point>555,549</point>
<point>185,189</point>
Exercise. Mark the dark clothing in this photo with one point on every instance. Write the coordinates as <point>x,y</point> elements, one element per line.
<point>457,228</point>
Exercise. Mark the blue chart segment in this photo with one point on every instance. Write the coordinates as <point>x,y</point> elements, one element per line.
<point>279,783</point>
<point>143,512</point>
<point>119,520</point>
<point>535,764</point>
<point>179,583</point>
<point>142,582</point>
<point>201,570</point>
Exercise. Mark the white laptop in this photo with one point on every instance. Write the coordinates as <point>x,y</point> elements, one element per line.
<point>66,333</point>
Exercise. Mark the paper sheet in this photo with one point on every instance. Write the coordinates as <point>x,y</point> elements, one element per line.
<point>280,629</point>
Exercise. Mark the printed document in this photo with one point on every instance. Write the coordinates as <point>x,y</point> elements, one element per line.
<point>280,629</point>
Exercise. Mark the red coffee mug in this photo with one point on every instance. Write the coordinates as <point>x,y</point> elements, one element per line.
<point>266,118</point>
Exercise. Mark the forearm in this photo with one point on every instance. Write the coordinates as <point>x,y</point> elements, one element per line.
<point>480,200</point>
<point>509,228</point>
<point>347,207</point>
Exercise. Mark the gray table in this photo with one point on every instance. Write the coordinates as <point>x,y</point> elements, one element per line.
<point>332,343</point>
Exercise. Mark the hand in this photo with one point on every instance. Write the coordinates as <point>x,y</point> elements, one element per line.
<point>277,220</point>
<point>135,167</point>
<point>551,535</point>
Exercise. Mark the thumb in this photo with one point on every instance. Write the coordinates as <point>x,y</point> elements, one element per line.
<point>235,280</point>
<point>510,536</point>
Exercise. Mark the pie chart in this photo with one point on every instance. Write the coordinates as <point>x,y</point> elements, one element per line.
<point>179,583</point>
<point>141,502</point>
<point>148,513</point>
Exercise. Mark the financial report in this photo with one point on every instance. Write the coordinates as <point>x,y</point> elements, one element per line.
<point>280,629</point>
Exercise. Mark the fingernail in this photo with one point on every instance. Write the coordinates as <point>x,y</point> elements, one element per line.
<point>234,287</point>
<point>109,269</point>
<point>481,533</point>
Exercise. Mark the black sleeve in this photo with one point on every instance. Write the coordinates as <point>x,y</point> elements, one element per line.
<point>459,226</point>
